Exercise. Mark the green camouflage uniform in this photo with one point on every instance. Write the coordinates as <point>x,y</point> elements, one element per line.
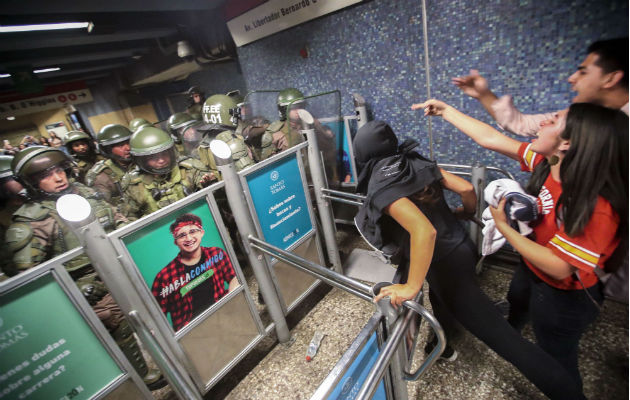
<point>146,193</point>
<point>105,177</point>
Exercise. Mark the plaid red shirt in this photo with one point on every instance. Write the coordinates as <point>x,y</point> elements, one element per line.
<point>172,286</point>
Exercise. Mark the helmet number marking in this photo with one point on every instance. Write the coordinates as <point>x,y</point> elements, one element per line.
<point>212,113</point>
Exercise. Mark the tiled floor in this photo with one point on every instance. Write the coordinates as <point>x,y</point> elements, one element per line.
<point>278,371</point>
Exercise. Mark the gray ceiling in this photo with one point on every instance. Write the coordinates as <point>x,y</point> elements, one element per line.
<point>131,41</point>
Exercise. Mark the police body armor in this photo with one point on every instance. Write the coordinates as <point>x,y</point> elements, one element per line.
<point>257,137</point>
<point>84,164</point>
<point>294,137</point>
<point>240,153</point>
<point>28,252</point>
<point>154,192</point>
<point>115,173</point>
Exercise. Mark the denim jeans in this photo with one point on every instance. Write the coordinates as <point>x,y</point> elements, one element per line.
<point>559,317</point>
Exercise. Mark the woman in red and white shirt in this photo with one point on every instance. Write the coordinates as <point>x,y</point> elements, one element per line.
<point>579,173</point>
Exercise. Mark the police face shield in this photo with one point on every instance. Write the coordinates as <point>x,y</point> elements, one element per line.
<point>260,104</point>
<point>191,138</point>
<point>329,129</point>
<point>159,163</point>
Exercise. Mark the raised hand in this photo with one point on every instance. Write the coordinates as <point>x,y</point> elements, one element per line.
<point>474,85</point>
<point>431,107</point>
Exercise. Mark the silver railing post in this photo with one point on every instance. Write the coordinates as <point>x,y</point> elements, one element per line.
<point>240,210</point>
<point>360,110</point>
<point>79,216</point>
<point>478,180</point>
<point>398,360</point>
<point>319,182</point>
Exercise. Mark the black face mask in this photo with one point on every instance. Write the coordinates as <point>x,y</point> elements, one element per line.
<point>373,142</point>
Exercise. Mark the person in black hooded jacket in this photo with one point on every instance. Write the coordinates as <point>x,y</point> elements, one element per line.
<point>405,215</point>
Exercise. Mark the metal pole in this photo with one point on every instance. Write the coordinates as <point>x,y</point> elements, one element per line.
<point>319,182</point>
<point>478,179</point>
<point>360,110</point>
<point>425,34</point>
<point>331,277</point>
<point>393,351</point>
<point>79,216</point>
<point>242,217</point>
<point>161,358</point>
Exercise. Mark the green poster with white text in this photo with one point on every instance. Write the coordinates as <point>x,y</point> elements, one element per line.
<point>47,350</point>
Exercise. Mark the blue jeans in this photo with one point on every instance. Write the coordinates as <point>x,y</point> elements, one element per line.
<point>559,317</point>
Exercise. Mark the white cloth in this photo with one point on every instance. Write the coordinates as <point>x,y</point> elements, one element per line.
<point>493,240</point>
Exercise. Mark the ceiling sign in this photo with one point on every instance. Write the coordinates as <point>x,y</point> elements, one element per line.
<point>42,103</point>
<point>278,15</point>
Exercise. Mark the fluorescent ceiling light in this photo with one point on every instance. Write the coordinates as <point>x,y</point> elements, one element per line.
<point>5,75</point>
<point>11,118</point>
<point>40,71</point>
<point>46,27</point>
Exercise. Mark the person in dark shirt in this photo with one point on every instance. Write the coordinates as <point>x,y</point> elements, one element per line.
<point>196,278</point>
<point>405,208</point>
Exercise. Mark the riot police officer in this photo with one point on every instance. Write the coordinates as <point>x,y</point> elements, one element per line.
<point>81,146</point>
<point>37,234</point>
<point>138,123</point>
<point>284,135</point>
<point>220,113</point>
<point>196,99</point>
<point>105,176</point>
<point>253,129</point>
<point>174,126</point>
<point>157,179</point>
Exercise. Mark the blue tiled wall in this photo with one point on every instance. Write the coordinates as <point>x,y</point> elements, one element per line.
<point>525,48</point>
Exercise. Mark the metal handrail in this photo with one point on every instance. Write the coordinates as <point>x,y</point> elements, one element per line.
<point>331,277</point>
<point>501,170</point>
<point>391,346</point>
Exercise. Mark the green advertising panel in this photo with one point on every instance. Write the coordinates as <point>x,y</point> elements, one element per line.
<point>183,261</point>
<point>47,350</point>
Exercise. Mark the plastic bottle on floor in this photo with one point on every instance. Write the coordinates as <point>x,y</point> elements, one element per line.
<point>314,345</point>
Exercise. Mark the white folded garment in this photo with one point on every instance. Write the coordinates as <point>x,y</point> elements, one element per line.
<point>494,192</point>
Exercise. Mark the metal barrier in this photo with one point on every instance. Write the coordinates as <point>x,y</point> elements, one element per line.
<point>397,324</point>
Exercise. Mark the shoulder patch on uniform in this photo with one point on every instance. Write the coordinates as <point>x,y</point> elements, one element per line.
<point>96,169</point>
<point>31,211</point>
<point>18,235</point>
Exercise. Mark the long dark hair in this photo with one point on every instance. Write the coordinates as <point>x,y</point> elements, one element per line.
<point>596,164</point>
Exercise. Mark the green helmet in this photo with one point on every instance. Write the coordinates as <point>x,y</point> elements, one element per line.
<point>34,163</point>
<point>73,137</point>
<point>111,135</point>
<point>153,150</point>
<point>220,110</point>
<point>5,166</point>
<point>286,97</point>
<point>137,123</point>
<point>176,121</point>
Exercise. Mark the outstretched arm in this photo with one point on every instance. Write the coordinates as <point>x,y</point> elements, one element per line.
<point>482,133</point>
<point>476,86</point>
<point>422,241</point>
<point>500,109</point>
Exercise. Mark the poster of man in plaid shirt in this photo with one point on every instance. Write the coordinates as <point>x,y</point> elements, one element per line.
<point>196,278</point>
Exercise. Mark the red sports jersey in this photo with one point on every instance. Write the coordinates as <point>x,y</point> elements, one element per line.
<point>586,251</point>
